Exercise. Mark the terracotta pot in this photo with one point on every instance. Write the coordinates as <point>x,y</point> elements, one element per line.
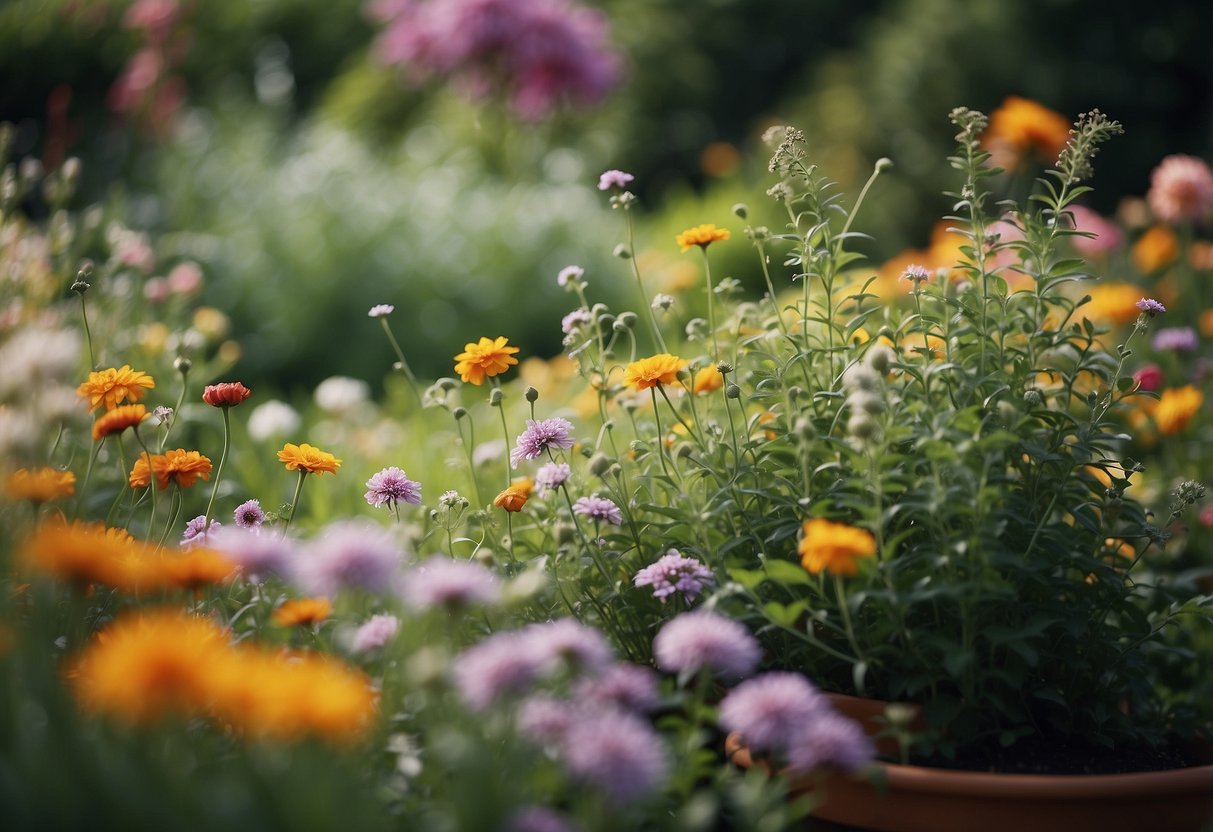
<point>897,798</point>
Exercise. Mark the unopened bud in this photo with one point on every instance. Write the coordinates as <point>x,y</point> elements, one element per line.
<point>459,413</point>
<point>732,391</point>
<point>621,251</point>
<point>741,210</point>
<point>496,396</point>
<point>531,394</point>
<point>883,163</point>
<point>628,319</point>
<point>598,464</point>
<point>183,365</point>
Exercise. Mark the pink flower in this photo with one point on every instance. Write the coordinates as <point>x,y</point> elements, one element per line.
<point>769,709</point>
<point>390,487</point>
<point>377,631</point>
<point>453,584</point>
<point>1105,235</point>
<point>830,739</point>
<point>614,179</point>
<point>1149,377</point>
<point>599,509</point>
<point>616,752</point>
<point>703,640</point>
<point>1181,188</point>
<point>539,436</point>
<point>674,573</point>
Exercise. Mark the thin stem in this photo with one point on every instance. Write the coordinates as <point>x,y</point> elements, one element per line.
<point>400,359</point>
<point>840,593</point>
<point>660,436</point>
<point>294,501</point>
<point>644,298</point>
<point>176,410</point>
<point>151,477</point>
<point>707,271</point>
<point>227,432</point>
<point>92,359</point>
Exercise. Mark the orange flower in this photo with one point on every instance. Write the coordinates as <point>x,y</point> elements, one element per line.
<point>302,611</point>
<point>515,496</point>
<point>111,387</point>
<point>141,472</point>
<point>834,547</point>
<point>196,568</point>
<point>707,380</point>
<point>662,368</point>
<point>179,466</point>
<point>1113,303</point>
<point>1155,249</point>
<point>485,359</point>
<point>118,420</point>
<point>87,553</point>
<point>225,394</point>
<point>307,458</point>
<point>40,485</point>
<point>702,236</point>
<point>1175,409</point>
<point>1021,126</point>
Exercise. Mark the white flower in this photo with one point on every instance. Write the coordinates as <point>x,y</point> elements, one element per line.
<point>272,418</point>
<point>341,393</point>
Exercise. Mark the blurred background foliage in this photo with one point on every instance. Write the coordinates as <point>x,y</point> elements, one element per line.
<point>311,181</point>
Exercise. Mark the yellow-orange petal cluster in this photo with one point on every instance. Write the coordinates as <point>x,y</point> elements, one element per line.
<point>1176,407</point>
<point>1021,126</point>
<point>119,419</point>
<point>662,368</point>
<point>702,236</point>
<point>1113,303</point>
<point>86,553</point>
<point>1157,248</point>
<point>485,359</point>
<point>301,611</point>
<point>836,548</point>
<point>514,497</point>
<point>308,458</point>
<point>39,485</point>
<point>195,568</point>
<point>707,379</point>
<point>109,388</point>
<point>178,466</point>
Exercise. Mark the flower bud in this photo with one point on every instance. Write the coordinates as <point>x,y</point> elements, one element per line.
<point>795,392</point>
<point>183,365</point>
<point>531,394</point>
<point>496,396</point>
<point>861,425</point>
<point>621,251</point>
<point>804,429</point>
<point>628,319</point>
<point>732,391</point>
<point>740,210</point>
<point>459,413</point>
<point>724,368</point>
<point>882,164</point>
<point>1032,397</point>
<point>879,357</point>
<point>598,464</point>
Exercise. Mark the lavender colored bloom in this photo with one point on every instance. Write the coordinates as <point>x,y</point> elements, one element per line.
<point>551,476</point>
<point>541,434</point>
<point>390,487</point>
<point>770,709</point>
<point>567,642</point>
<point>578,317</point>
<point>598,508</point>
<point>626,686</point>
<point>380,310</point>
<point>1178,338</point>
<point>248,515</point>
<point>614,179</point>
<point>674,573</point>
<point>573,273</point>
<point>830,739</point>
<point>351,554</point>
<point>442,582</point>
<point>545,720</point>
<point>703,640</point>
<point>197,532</point>
<point>540,819</point>
<point>617,753</point>
<point>256,554</point>
<point>503,664</point>
<point>375,632</point>
<point>916,274</point>
<point>1150,306</point>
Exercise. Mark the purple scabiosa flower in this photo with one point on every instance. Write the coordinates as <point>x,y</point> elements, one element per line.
<point>248,515</point>
<point>578,317</point>
<point>551,476</point>
<point>616,752</point>
<point>626,686</point>
<point>567,642</point>
<point>598,508</point>
<point>829,739</point>
<point>380,310</point>
<point>614,179</point>
<point>390,487</point>
<point>197,532</point>
<point>539,819</point>
<point>769,709</point>
<point>350,554</point>
<point>375,632</point>
<point>569,274</point>
<point>916,274</point>
<point>257,555</point>
<point>503,664</point>
<point>545,720</point>
<point>1177,338</point>
<point>703,640</point>
<point>1150,306</point>
<point>674,573</point>
<point>540,435</point>
<point>453,584</point>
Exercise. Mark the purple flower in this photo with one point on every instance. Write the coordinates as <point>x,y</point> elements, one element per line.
<point>442,582</point>
<point>598,508</point>
<point>540,819</point>
<point>545,720</point>
<point>248,515</point>
<point>1150,306</point>
<point>391,486</point>
<point>256,554</point>
<point>616,752</point>
<point>769,709</point>
<point>614,179</point>
<point>703,640</point>
<point>829,739</point>
<point>1178,338</point>
<point>674,573</point>
<point>574,319</point>
<point>916,274</point>
<point>381,310</point>
<point>541,434</point>
<point>351,554</point>
<point>550,476</point>
<point>573,273</point>
<point>197,532</point>
<point>566,642</point>
<point>503,664</point>
<point>375,632</point>
<point>626,686</point>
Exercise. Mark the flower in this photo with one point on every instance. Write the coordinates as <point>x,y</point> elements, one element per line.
<point>703,640</point>
<point>112,387</point>
<point>769,710</point>
<point>272,418</point>
<point>198,531</point>
<point>179,466</point>
<point>552,475</point>
<point>453,584</point>
<point>1113,303</point>
<point>255,554</point>
<point>375,632</point>
<point>391,486</point>
<point>826,546</point>
<point>225,394</point>
<point>614,179</point>
<point>830,739</point>
<point>85,553</point>
<point>499,666</point>
<point>541,435</point>
<point>662,368</point>
<point>338,394</point>
<point>308,459</point>
<point>195,568</point>
<point>569,274</point>
<point>567,644</point>
<point>301,611</point>
<point>616,752</point>
<point>514,497</point>
<point>706,380</point>
<point>1154,250</point>
<point>1149,377</point>
<point>39,485</point>
<point>702,236</point>
<point>381,310</point>
<point>598,508</point>
<point>351,554</point>
<point>248,515</point>
<point>1098,235</point>
<point>1151,307</point>
<point>628,686</point>
<point>1181,189</point>
<point>485,359</point>
<point>119,419</point>
<point>578,317</point>
<point>674,573</point>
<point>1022,126</point>
<point>1176,407</point>
<point>1177,338</point>
<point>916,274</point>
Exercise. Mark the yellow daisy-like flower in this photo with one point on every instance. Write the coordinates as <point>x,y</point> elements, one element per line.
<point>836,548</point>
<point>1176,407</point>
<point>87,553</point>
<point>181,467</point>
<point>707,380</point>
<point>40,485</point>
<point>702,236</point>
<point>196,568</point>
<point>308,458</point>
<point>515,496</point>
<point>119,419</point>
<point>485,359</point>
<point>1113,303</point>
<point>302,611</point>
<point>1024,126</point>
<point>112,387</point>
<point>662,368</point>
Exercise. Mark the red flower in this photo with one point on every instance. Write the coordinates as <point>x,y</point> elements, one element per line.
<point>225,394</point>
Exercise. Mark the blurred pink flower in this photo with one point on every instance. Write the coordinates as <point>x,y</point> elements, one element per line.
<point>1181,188</point>
<point>1107,234</point>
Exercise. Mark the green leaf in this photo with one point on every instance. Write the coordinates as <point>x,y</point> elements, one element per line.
<point>786,572</point>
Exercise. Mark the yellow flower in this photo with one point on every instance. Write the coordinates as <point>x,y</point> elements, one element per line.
<point>178,466</point>
<point>87,553</point>
<point>515,496</point>
<point>707,380</point>
<point>485,359</point>
<point>307,458</point>
<point>196,568</point>
<point>834,547</point>
<point>40,485</point>
<point>1021,126</point>
<point>1156,248</point>
<point>302,611</point>
<point>1176,408</point>
<point>1113,303</point>
<point>119,419</point>
<point>662,368</point>
<point>702,236</point>
<point>111,387</point>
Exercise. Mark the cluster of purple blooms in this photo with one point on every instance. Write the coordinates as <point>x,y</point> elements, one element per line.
<point>534,54</point>
<point>1175,338</point>
<point>599,509</point>
<point>450,584</point>
<point>541,435</point>
<point>704,641</point>
<point>550,476</point>
<point>390,487</point>
<point>672,573</point>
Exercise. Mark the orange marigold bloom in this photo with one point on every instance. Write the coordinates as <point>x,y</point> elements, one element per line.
<point>707,380</point>
<point>1113,303</point>
<point>302,611</point>
<point>702,236</point>
<point>225,394</point>
<point>485,359</point>
<point>196,568</point>
<point>308,458</point>
<point>111,387</point>
<point>515,496</point>
<point>1155,249</point>
<point>39,485</point>
<point>1175,409</point>
<point>831,547</point>
<point>662,368</point>
<point>1021,126</point>
<point>119,419</point>
<point>87,553</point>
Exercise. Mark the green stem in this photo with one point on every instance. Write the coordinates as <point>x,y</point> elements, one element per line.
<point>644,298</point>
<point>707,271</point>
<point>401,361</point>
<point>92,359</point>
<point>294,501</point>
<point>227,432</point>
<point>151,478</point>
